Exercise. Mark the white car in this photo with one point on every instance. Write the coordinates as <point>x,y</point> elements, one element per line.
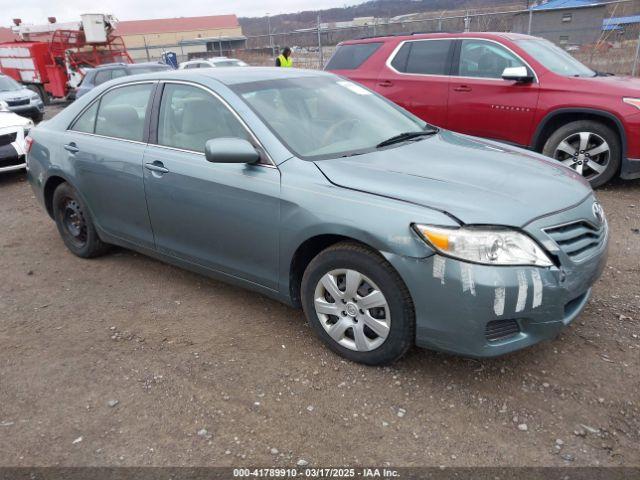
<point>214,62</point>
<point>13,131</point>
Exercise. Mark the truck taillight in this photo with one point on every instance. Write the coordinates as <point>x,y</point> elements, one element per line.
<point>28,142</point>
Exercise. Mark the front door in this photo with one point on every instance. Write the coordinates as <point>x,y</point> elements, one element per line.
<point>416,77</point>
<point>105,148</point>
<point>482,103</point>
<point>223,217</point>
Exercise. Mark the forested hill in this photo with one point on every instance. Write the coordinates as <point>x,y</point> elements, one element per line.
<point>374,8</point>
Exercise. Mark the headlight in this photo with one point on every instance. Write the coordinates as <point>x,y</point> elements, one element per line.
<point>35,96</point>
<point>27,128</point>
<point>486,245</point>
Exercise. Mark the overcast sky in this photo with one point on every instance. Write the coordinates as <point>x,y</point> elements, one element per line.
<point>37,11</point>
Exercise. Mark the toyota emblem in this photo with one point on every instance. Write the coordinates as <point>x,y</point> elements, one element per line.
<point>598,212</point>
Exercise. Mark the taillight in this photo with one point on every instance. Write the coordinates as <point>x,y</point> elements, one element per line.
<point>28,142</point>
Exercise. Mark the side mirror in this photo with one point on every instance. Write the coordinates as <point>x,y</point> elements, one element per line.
<point>230,150</point>
<point>518,74</point>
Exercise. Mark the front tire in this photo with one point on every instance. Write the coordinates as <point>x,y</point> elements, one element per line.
<point>358,305</point>
<point>590,148</point>
<point>75,224</point>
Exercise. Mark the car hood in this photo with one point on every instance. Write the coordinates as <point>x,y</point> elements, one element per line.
<point>476,181</point>
<point>10,119</point>
<point>623,85</point>
<point>20,94</point>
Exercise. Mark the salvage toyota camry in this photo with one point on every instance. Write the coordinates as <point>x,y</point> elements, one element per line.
<point>311,189</point>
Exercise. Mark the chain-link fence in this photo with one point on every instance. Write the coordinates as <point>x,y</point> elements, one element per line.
<point>604,36</point>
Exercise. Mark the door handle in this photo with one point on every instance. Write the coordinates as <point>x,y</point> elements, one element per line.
<point>385,83</point>
<point>157,167</point>
<point>462,88</point>
<point>71,147</point>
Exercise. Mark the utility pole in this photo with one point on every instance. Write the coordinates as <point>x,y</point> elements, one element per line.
<point>320,56</point>
<point>635,59</point>
<point>273,52</point>
<point>530,8</point>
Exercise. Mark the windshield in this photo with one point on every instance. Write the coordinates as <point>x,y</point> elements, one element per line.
<point>8,84</point>
<point>320,117</point>
<point>554,58</point>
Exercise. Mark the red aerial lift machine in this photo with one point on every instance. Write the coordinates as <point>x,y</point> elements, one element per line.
<point>51,58</point>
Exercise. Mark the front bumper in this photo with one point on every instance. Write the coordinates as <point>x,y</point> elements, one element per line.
<point>12,153</point>
<point>486,311</point>
<point>630,168</point>
<point>11,159</point>
<point>32,110</point>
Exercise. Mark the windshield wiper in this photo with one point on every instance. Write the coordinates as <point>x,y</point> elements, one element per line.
<point>403,137</point>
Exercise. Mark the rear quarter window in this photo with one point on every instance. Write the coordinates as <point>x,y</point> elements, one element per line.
<point>350,57</point>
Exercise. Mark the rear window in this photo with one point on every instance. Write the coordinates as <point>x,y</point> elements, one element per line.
<point>427,57</point>
<point>349,57</point>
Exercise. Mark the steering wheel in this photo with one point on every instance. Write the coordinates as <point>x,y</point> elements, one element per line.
<point>337,127</point>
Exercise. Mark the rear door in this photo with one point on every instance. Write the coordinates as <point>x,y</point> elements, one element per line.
<point>416,77</point>
<point>104,147</point>
<point>482,103</point>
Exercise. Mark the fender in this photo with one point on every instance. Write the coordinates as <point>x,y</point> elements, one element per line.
<point>592,111</point>
<point>55,172</point>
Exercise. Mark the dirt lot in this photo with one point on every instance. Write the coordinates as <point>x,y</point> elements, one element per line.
<point>124,360</point>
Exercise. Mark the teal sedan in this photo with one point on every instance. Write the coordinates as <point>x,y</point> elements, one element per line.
<point>387,231</point>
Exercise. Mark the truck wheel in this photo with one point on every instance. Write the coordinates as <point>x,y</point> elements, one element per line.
<point>589,147</point>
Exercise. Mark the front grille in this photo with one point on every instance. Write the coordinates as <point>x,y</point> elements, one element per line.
<point>8,138</point>
<point>18,103</point>
<point>578,239</point>
<point>501,329</point>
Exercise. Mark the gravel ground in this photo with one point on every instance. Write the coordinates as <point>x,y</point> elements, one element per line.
<point>123,360</point>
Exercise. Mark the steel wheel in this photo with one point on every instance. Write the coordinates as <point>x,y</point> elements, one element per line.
<point>586,152</point>
<point>74,222</point>
<point>352,310</point>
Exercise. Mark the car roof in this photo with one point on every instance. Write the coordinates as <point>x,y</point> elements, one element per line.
<point>108,66</point>
<point>231,76</point>
<point>421,36</point>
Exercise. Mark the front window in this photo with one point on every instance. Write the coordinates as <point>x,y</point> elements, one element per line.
<point>554,58</point>
<point>326,117</point>
<point>190,116</point>
<point>483,59</point>
<point>8,84</point>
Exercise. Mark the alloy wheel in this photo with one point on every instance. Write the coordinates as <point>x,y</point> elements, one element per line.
<point>352,310</point>
<point>586,152</point>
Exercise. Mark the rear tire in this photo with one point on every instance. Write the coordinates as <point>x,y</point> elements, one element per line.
<point>589,147</point>
<point>384,332</point>
<point>75,224</point>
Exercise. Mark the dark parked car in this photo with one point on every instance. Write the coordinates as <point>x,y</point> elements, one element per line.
<point>104,73</point>
<point>322,194</point>
<point>514,88</point>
